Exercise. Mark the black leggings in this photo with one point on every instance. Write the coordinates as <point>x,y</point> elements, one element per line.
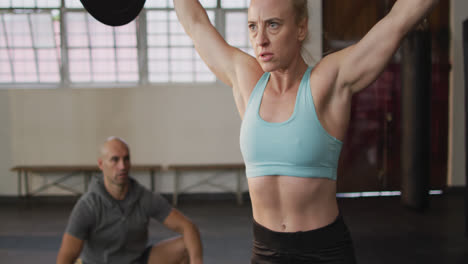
<point>331,244</point>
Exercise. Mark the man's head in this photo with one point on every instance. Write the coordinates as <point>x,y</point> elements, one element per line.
<point>114,161</point>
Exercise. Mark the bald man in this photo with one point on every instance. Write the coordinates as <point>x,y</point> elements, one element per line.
<point>109,224</point>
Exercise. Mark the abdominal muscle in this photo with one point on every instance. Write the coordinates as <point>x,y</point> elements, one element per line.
<point>291,204</point>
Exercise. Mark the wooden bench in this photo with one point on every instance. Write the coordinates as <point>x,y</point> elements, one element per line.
<point>24,172</point>
<point>181,168</point>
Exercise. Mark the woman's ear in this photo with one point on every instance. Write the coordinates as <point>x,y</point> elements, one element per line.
<point>303,29</point>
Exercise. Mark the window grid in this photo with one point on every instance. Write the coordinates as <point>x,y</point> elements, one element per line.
<point>171,58</point>
<point>58,44</point>
<point>29,3</point>
<point>34,50</point>
<point>237,33</point>
<point>171,52</point>
<point>90,65</point>
<point>31,51</point>
<point>45,70</point>
<point>111,52</point>
<point>235,4</point>
<point>169,4</point>
<point>7,52</point>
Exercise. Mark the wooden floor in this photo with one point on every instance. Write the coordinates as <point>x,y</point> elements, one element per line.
<point>383,230</point>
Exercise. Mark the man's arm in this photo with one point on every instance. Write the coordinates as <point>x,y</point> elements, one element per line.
<point>70,249</point>
<point>79,223</point>
<point>360,64</point>
<point>177,222</point>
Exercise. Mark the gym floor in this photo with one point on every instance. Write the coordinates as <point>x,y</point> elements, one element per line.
<point>383,230</point>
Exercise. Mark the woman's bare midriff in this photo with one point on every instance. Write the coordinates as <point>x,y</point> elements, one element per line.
<point>291,204</point>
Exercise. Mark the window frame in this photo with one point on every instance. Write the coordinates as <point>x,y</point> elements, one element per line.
<point>141,46</point>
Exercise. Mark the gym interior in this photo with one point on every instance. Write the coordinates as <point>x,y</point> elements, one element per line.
<point>68,82</point>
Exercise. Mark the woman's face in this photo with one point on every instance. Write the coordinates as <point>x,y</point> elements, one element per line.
<point>274,34</point>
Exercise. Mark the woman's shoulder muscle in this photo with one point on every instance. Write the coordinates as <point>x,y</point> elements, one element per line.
<point>331,99</point>
<point>248,72</point>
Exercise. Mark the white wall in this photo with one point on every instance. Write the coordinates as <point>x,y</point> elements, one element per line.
<point>163,125</point>
<point>456,163</point>
<point>190,124</point>
<point>8,183</point>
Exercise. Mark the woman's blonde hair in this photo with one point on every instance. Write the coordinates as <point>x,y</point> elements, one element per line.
<point>301,10</point>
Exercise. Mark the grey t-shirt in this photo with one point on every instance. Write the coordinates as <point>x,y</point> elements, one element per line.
<point>115,231</point>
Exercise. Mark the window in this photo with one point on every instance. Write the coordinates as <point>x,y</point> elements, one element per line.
<point>237,33</point>
<point>42,42</point>
<point>29,48</point>
<point>99,53</point>
<point>29,3</point>
<point>235,3</point>
<point>171,55</point>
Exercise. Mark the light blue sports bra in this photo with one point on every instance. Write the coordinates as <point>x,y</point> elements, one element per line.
<point>299,146</point>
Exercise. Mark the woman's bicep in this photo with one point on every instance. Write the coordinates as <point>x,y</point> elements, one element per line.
<point>360,64</point>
